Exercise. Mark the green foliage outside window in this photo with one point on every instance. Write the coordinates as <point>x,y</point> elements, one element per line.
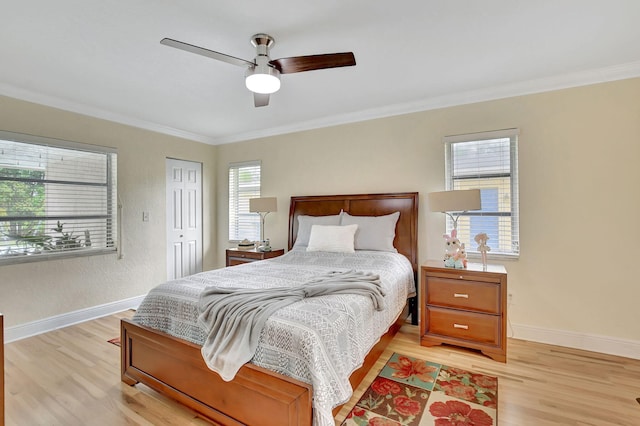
<point>27,198</point>
<point>24,198</point>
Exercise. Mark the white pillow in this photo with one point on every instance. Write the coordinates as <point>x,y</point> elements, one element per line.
<point>374,232</point>
<point>337,239</point>
<point>306,222</point>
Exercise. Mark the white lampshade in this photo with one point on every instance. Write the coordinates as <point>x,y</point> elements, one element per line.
<point>455,201</point>
<point>263,79</point>
<point>263,205</point>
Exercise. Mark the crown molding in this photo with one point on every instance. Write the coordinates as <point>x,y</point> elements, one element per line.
<point>558,82</point>
<point>83,109</point>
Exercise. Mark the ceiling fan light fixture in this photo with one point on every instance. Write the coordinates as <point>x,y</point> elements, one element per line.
<point>263,79</point>
<point>262,75</point>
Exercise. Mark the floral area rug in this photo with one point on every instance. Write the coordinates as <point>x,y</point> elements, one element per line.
<point>411,391</point>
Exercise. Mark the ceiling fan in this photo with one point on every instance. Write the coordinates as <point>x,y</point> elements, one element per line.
<point>263,73</point>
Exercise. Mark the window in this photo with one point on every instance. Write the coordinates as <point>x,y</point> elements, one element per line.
<point>489,162</point>
<point>244,184</point>
<point>57,198</point>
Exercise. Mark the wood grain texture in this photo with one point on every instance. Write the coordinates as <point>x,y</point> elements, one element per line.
<point>1,370</point>
<point>465,307</point>
<point>314,62</point>
<point>71,377</point>
<point>176,368</point>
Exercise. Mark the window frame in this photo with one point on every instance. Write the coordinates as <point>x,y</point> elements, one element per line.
<point>108,244</point>
<point>242,214</point>
<point>514,212</point>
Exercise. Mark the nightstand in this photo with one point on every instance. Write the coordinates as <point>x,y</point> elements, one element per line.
<point>236,256</point>
<point>464,307</point>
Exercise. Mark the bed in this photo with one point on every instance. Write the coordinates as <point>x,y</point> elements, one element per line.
<point>174,365</point>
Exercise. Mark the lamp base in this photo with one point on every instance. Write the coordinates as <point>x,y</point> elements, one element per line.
<point>264,246</point>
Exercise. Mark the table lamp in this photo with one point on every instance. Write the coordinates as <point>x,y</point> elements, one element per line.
<point>263,206</point>
<point>455,202</point>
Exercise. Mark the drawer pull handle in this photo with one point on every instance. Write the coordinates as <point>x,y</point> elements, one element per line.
<point>463,295</point>
<point>462,326</point>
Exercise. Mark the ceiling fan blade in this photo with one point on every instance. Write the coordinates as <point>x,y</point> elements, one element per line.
<point>260,99</point>
<point>314,62</point>
<point>206,52</point>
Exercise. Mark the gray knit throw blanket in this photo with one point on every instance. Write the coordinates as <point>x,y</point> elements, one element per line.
<point>234,317</point>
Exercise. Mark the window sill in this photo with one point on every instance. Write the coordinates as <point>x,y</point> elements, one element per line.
<point>28,258</point>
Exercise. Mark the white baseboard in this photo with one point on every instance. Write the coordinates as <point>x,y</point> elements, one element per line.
<point>588,342</point>
<point>53,323</point>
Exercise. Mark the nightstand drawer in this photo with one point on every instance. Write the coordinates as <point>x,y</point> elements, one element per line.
<point>481,328</point>
<point>233,261</point>
<point>470,295</point>
<point>238,257</point>
<point>246,255</point>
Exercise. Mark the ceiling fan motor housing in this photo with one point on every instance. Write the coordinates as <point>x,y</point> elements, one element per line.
<point>263,77</point>
<point>262,42</point>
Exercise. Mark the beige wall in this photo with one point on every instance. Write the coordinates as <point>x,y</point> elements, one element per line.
<point>579,152</point>
<point>39,290</point>
<point>578,175</point>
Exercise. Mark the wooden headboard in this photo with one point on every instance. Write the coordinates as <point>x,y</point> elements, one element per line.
<point>406,241</point>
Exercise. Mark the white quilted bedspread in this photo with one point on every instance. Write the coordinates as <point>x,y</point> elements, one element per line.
<point>319,340</point>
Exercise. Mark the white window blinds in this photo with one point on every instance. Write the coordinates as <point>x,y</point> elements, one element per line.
<point>244,184</point>
<point>56,198</point>
<point>489,162</point>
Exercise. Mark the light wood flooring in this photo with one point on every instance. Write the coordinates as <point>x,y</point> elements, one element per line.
<point>71,377</point>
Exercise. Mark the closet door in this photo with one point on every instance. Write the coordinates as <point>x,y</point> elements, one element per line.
<point>184,218</point>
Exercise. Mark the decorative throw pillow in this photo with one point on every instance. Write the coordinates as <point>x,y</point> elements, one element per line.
<point>337,239</point>
<point>306,222</point>
<point>374,232</point>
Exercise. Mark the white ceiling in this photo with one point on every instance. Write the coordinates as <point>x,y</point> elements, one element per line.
<point>103,58</point>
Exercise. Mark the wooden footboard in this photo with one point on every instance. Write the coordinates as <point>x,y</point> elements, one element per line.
<point>175,368</point>
<point>256,396</point>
